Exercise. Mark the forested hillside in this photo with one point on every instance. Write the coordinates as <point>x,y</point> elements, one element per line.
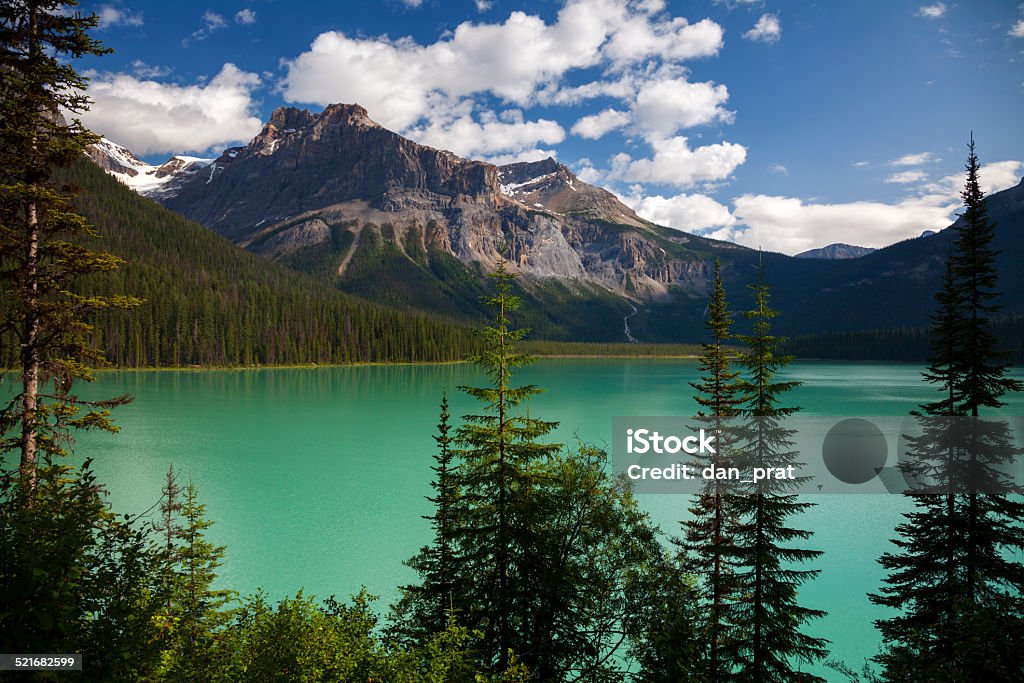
<point>909,344</point>
<point>208,302</point>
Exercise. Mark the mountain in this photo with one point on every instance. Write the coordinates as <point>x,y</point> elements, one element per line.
<point>836,252</point>
<point>337,196</point>
<point>146,179</point>
<point>209,302</point>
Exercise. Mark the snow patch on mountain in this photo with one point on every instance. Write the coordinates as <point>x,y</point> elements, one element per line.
<point>146,179</point>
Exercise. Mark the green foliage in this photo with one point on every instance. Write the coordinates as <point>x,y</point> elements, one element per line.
<point>537,551</point>
<point>768,617</point>
<point>76,578</point>
<point>194,611</point>
<point>955,578</point>
<point>42,254</point>
<point>714,517</point>
<point>426,607</point>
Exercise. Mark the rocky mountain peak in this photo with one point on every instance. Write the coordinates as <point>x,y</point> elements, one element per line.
<point>550,185</point>
<point>303,160</point>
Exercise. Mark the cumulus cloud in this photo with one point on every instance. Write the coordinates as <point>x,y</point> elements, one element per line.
<point>421,90</point>
<point>932,11</point>
<point>482,5</point>
<point>778,169</point>
<point>992,177</point>
<point>912,159</point>
<point>108,16</point>
<point>907,177</point>
<point>638,38</point>
<point>766,30</point>
<point>492,137</point>
<point>150,117</point>
<point>1017,31</point>
<point>792,225</point>
<point>597,125</point>
<point>663,107</point>
<point>245,16</point>
<point>675,163</point>
<point>690,213</point>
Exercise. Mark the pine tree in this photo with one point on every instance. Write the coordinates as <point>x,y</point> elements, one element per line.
<point>769,644</point>
<point>953,578</point>
<point>427,608</point>
<point>502,461</point>
<point>41,237</point>
<point>709,531</point>
<point>197,609</point>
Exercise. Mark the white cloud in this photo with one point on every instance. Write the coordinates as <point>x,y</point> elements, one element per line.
<point>597,125</point>
<point>767,29</point>
<point>636,38</point>
<point>109,15</point>
<point>1017,31</point>
<point>912,159</point>
<point>144,70</point>
<point>861,164</point>
<point>791,225</point>
<point>663,107</point>
<point>675,163</point>
<point>907,177</point>
<point>211,22</point>
<point>482,5</point>
<point>779,169</point>
<point>245,16</point>
<point>691,213</point>
<point>150,117</point>
<point>520,61</point>
<point>491,137</point>
<point>932,11</point>
<point>992,177</point>
<point>534,154</point>
<point>412,3</point>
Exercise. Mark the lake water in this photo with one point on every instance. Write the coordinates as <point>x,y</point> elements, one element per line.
<point>316,478</point>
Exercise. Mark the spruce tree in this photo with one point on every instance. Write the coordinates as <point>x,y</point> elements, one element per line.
<point>427,608</point>
<point>549,560</point>
<point>709,531</point>
<point>769,645</point>
<point>197,608</point>
<point>502,463</point>
<point>42,252</point>
<point>954,577</point>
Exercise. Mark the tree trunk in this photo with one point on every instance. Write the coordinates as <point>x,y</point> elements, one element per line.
<point>30,357</point>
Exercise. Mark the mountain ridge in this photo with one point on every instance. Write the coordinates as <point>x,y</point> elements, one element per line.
<point>375,214</point>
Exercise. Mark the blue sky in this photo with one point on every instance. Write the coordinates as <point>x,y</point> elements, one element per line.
<point>785,125</point>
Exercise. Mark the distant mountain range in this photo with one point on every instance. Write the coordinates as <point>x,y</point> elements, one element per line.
<point>837,251</point>
<point>336,195</point>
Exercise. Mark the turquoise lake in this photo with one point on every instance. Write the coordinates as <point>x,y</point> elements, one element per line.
<point>315,478</point>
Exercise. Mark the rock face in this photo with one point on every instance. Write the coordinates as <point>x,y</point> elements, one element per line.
<point>305,172</point>
<point>837,252</point>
